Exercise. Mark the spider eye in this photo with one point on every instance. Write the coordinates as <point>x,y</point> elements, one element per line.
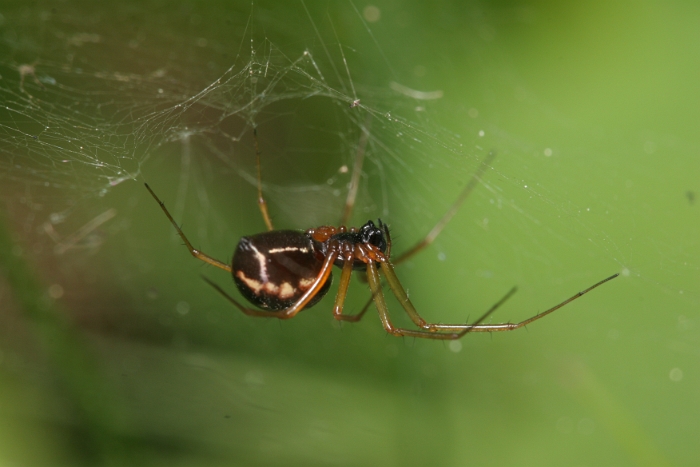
<point>371,234</point>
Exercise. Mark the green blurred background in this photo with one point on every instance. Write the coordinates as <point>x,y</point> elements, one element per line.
<point>114,351</point>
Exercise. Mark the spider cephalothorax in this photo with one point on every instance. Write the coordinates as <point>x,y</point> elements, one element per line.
<point>369,242</point>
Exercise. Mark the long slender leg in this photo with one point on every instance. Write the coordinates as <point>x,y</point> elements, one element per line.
<point>417,319</point>
<point>447,217</point>
<point>405,302</point>
<point>345,276</point>
<point>262,204</point>
<point>356,172</point>
<point>402,297</point>
<point>194,252</point>
<point>459,330</point>
<point>514,326</point>
<point>376,288</point>
<point>292,311</point>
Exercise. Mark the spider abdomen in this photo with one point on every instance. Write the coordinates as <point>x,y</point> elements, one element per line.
<point>272,270</point>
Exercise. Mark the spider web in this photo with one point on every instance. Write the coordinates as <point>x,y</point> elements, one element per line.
<point>82,129</point>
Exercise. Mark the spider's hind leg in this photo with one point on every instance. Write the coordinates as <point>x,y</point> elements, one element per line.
<point>193,251</point>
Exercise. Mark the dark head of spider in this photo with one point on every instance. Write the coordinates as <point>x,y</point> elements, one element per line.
<point>272,270</point>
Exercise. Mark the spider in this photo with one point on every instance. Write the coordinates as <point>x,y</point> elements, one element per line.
<point>285,271</point>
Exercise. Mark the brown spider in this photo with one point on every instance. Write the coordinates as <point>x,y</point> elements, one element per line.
<point>286,271</point>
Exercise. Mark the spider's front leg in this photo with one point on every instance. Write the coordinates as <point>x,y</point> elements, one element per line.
<point>378,297</point>
<point>462,329</point>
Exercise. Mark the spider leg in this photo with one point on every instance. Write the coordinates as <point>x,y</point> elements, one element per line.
<point>262,204</point>
<point>418,321</point>
<point>514,326</point>
<point>411,311</point>
<point>402,297</point>
<point>447,217</point>
<point>376,288</point>
<point>194,252</point>
<point>345,276</point>
<point>292,311</point>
